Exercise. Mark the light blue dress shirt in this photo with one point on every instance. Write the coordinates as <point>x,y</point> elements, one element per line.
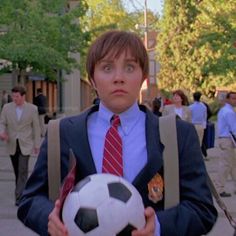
<point>226,121</point>
<point>133,135</point>
<point>199,113</point>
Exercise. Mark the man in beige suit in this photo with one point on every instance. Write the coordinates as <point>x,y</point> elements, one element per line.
<point>19,128</point>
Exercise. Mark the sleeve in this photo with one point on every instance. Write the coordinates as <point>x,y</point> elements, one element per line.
<point>231,121</point>
<point>36,127</point>
<point>35,206</point>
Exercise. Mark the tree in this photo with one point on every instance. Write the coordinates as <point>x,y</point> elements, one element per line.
<point>112,14</point>
<point>195,45</point>
<point>217,39</point>
<point>103,15</point>
<point>39,34</point>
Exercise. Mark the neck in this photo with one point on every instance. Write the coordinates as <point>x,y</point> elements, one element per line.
<point>178,105</point>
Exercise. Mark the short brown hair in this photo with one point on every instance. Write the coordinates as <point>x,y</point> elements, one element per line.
<point>114,43</point>
<point>229,94</point>
<point>19,89</point>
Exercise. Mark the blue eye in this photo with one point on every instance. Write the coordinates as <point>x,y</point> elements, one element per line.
<point>107,68</point>
<point>130,68</point>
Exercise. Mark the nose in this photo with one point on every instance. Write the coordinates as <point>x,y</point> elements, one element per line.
<point>119,76</point>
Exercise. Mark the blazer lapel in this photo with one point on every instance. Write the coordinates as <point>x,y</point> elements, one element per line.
<point>154,153</point>
<point>83,153</point>
<point>13,113</point>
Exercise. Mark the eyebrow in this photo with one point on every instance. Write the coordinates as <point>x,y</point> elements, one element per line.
<point>112,60</point>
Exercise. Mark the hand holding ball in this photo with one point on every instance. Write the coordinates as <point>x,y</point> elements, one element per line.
<point>103,204</point>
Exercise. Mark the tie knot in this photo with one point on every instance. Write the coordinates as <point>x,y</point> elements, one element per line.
<point>115,120</point>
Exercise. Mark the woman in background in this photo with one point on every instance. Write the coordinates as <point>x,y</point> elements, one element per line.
<point>179,106</point>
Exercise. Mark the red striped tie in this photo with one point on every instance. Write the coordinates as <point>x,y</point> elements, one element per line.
<point>112,156</point>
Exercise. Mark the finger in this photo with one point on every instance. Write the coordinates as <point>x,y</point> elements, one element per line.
<point>55,225</point>
<point>149,228</point>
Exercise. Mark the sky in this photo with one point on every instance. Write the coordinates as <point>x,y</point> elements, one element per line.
<point>153,5</point>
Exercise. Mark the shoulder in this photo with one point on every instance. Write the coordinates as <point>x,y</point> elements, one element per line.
<point>80,118</point>
<point>186,108</point>
<point>31,106</point>
<point>185,130</point>
<point>168,107</point>
<point>204,107</point>
<point>8,106</point>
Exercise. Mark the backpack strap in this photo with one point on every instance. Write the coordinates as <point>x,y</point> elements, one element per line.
<point>54,164</point>
<point>168,135</point>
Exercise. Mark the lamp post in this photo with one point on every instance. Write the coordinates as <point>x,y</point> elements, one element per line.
<point>145,25</point>
<point>149,43</point>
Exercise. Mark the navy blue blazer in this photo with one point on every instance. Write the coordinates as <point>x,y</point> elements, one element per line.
<point>194,216</point>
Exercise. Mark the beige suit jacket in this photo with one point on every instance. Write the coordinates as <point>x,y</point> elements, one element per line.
<point>170,109</point>
<point>26,130</point>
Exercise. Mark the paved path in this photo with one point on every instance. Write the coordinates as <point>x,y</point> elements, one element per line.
<point>10,226</point>
<point>222,226</point>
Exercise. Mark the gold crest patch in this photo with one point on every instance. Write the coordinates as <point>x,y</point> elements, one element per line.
<point>155,188</point>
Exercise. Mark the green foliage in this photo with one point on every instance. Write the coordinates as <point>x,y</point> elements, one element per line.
<point>103,15</point>
<point>39,34</point>
<point>195,45</point>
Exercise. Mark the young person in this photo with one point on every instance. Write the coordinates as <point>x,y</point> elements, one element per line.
<point>117,65</point>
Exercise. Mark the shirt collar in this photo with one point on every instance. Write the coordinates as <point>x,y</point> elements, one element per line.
<point>128,118</point>
<point>21,106</point>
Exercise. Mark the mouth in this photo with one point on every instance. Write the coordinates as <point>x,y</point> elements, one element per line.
<point>119,91</point>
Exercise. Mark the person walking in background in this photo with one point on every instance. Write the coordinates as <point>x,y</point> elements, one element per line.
<point>179,106</point>
<point>41,102</point>
<point>19,128</point>
<point>226,119</point>
<point>117,65</point>
<point>208,140</point>
<point>199,115</point>
<point>6,98</point>
<point>157,105</point>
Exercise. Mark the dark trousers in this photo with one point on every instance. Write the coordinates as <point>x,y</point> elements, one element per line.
<point>20,166</point>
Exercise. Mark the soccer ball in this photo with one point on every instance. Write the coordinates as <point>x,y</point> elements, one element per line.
<point>103,205</point>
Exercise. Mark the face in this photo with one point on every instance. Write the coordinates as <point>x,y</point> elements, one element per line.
<point>177,98</point>
<point>18,99</point>
<point>232,100</point>
<point>118,81</point>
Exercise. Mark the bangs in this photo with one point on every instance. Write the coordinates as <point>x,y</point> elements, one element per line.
<point>114,48</point>
<point>112,44</point>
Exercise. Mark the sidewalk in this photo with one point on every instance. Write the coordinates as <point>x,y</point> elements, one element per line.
<point>222,226</point>
<point>11,226</point>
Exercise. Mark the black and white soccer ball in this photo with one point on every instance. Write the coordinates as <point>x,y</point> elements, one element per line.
<point>103,205</point>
